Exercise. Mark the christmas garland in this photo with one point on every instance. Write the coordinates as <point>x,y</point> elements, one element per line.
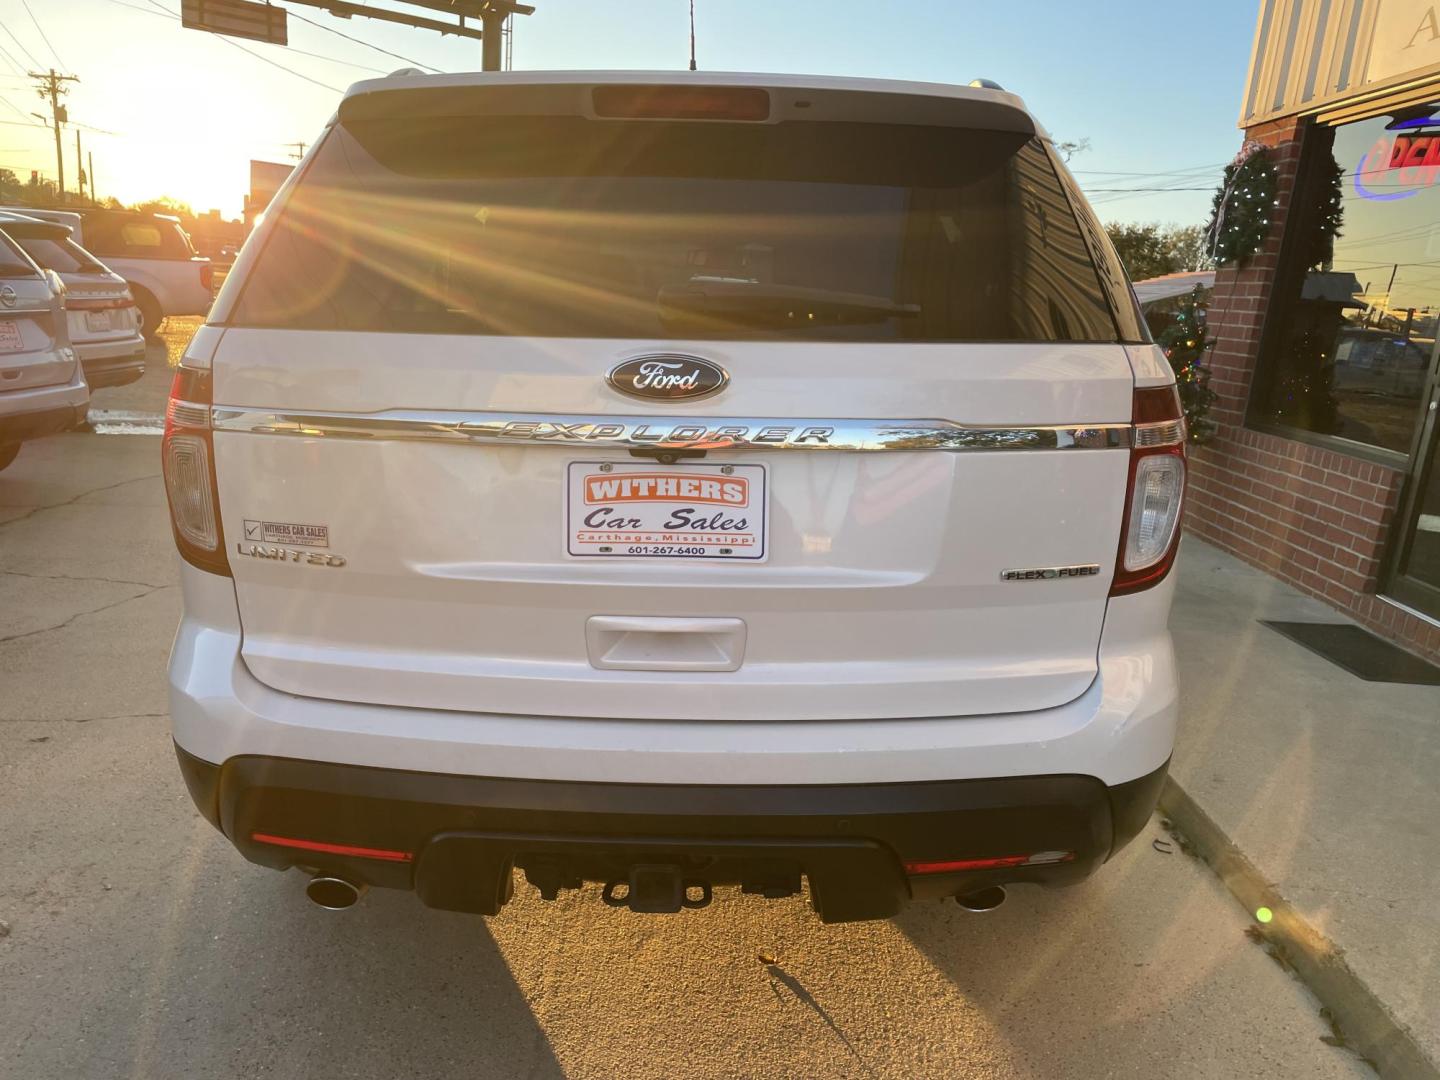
<point>1244,203</point>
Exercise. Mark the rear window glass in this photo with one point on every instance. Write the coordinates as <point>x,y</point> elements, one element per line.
<point>13,263</point>
<point>568,227</point>
<point>136,237</point>
<point>61,255</point>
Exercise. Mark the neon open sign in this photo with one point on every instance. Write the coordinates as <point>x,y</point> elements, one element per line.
<point>1402,154</point>
<point>1414,151</point>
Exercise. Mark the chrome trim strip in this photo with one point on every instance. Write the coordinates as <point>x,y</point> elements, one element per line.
<point>677,433</point>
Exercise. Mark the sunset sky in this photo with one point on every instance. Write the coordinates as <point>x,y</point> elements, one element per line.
<point>1155,86</point>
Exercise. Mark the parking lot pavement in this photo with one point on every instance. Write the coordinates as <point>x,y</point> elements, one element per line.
<point>137,943</point>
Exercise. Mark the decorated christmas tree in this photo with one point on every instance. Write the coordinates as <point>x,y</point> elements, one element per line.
<point>1184,342</point>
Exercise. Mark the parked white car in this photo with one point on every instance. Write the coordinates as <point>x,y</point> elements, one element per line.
<point>150,251</point>
<point>739,479</point>
<point>42,385</point>
<point>103,321</point>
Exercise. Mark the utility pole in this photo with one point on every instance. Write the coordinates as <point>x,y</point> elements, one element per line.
<point>51,85</point>
<point>299,152</point>
<point>79,166</point>
<point>90,173</point>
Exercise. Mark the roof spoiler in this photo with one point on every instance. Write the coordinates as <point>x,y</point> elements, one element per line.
<point>573,98</point>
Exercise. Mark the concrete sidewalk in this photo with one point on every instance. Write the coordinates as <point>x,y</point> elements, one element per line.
<point>1326,782</point>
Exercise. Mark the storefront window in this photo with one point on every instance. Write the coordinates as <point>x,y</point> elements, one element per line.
<point>1358,304</point>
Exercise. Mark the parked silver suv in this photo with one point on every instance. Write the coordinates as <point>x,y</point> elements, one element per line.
<point>42,385</point>
<point>676,481</point>
<point>101,314</point>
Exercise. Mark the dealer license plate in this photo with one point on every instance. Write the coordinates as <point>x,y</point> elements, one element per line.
<point>97,322</point>
<point>11,340</point>
<point>650,511</point>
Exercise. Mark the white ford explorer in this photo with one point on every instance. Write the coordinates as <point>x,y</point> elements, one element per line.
<point>667,481</point>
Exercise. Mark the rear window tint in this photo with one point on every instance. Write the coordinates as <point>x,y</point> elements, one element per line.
<point>136,237</point>
<point>58,254</point>
<point>13,263</point>
<point>568,227</point>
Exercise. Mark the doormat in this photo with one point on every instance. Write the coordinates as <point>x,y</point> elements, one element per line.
<point>1359,652</point>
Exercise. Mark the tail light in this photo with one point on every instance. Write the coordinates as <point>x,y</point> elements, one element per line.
<point>207,275</point>
<point>187,457</point>
<point>1150,532</point>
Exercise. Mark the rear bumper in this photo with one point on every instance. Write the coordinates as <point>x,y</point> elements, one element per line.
<point>455,839</point>
<point>43,410</point>
<point>112,363</point>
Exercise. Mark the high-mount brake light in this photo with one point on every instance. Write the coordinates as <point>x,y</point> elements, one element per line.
<point>187,458</point>
<point>1155,495</point>
<point>681,103</point>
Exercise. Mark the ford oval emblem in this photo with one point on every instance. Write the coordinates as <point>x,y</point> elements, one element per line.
<point>668,377</point>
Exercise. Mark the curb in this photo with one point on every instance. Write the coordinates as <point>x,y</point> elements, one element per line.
<point>1369,1028</point>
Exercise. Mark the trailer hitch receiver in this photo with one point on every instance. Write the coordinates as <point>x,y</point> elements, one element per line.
<point>657,888</point>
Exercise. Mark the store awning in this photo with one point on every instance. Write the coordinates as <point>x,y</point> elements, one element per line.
<point>1169,286</point>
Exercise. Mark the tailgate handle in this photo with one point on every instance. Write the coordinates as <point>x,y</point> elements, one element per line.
<point>643,643</point>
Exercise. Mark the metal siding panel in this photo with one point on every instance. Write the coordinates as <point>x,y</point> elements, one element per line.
<point>1318,36</point>
<point>1295,8</point>
<point>1259,51</point>
<point>1364,35</point>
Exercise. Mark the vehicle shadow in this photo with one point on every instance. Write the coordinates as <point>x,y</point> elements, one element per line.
<point>251,979</point>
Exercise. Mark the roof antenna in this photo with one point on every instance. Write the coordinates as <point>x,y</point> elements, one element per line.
<point>692,35</point>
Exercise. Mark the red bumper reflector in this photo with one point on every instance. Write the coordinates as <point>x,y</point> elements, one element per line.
<point>333,849</point>
<point>1002,862</point>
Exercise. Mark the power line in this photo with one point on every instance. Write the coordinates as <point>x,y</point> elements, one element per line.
<point>41,31</point>
<point>337,60</point>
<point>144,10</point>
<point>168,15</point>
<point>1167,172</point>
<point>275,64</point>
<point>21,46</point>
<point>14,64</point>
<point>263,59</point>
<point>19,111</point>
<point>358,41</point>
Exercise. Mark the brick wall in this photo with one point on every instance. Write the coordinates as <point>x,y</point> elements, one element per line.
<point>1318,519</point>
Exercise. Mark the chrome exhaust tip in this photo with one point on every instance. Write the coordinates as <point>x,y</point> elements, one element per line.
<point>334,894</point>
<point>982,899</point>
